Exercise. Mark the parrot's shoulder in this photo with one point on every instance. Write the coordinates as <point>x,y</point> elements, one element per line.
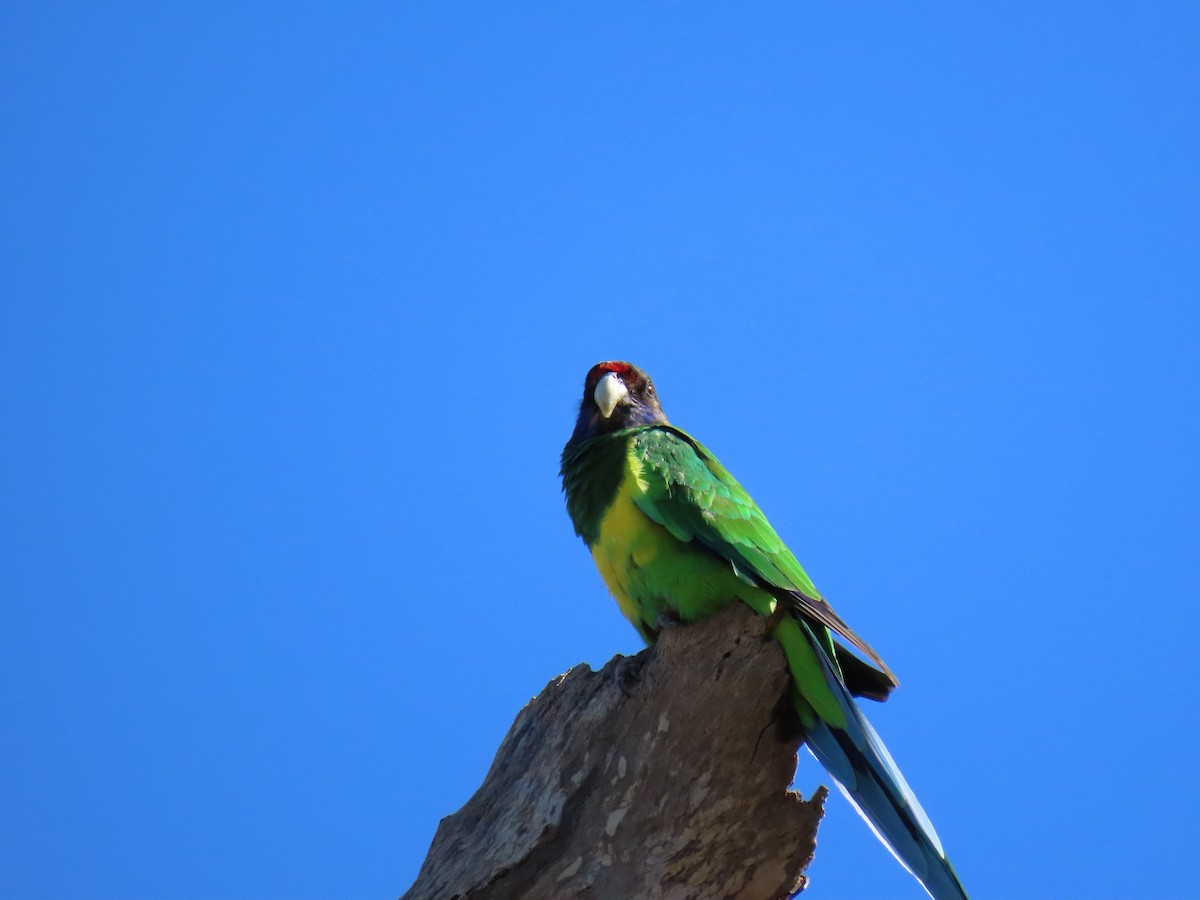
<point>677,459</point>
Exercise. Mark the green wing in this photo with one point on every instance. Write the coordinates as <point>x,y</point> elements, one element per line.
<point>690,493</point>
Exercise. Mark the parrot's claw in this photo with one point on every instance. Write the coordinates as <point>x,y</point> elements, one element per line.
<point>667,619</point>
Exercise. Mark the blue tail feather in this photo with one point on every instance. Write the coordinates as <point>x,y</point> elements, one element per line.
<point>865,772</point>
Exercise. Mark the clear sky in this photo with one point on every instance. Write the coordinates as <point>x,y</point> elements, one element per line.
<point>297,301</point>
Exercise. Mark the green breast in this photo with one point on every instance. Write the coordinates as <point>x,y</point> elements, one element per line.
<point>591,474</point>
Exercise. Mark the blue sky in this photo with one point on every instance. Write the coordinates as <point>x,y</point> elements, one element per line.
<point>298,301</point>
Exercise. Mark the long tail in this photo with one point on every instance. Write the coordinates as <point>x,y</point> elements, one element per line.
<point>867,775</point>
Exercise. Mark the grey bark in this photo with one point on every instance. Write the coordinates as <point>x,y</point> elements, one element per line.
<point>663,775</point>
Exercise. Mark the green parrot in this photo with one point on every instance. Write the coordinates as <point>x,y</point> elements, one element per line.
<point>676,538</point>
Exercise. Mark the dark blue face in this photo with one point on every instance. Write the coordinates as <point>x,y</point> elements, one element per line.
<point>637,405</point>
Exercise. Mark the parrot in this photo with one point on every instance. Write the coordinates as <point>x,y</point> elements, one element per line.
<point>675,538</point>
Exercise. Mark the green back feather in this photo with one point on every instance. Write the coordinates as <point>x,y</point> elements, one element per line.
<point>692,495</point>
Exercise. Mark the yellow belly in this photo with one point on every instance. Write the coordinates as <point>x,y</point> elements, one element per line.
<point>628,543</point>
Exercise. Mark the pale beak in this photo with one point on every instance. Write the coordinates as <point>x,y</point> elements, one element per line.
<point>610,390</point>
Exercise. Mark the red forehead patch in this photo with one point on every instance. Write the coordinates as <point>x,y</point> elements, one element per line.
<point>623,369</point>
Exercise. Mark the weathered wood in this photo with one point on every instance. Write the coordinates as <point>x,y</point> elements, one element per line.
<point>663,775</point>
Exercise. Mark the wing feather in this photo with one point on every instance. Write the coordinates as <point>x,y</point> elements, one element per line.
<point>693,496</point>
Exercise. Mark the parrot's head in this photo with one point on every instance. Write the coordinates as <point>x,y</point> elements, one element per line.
<point>616,395</point>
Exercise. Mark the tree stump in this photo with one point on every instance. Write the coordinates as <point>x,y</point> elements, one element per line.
<point>663,775</point>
